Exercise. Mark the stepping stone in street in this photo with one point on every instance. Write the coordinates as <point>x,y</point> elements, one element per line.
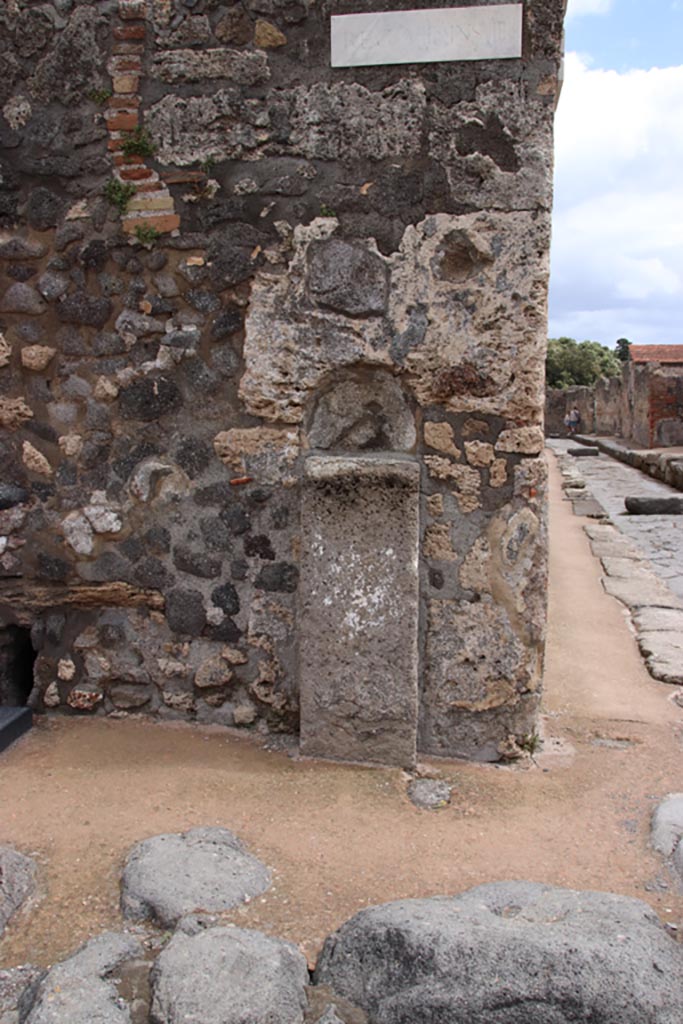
<point>654,506</point>
<point>79,990</point>
<point>205,869</point>
<point>229,976</point>
<point>429,794</point>
<point>509,951</point>
<point>17,882</point>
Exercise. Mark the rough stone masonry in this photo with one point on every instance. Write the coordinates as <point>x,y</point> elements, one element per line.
<point>271,374</point>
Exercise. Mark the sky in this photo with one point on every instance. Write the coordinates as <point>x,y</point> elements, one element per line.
<point>617,252</point>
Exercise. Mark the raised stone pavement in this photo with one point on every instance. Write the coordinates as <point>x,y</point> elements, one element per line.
<point>642,556</point>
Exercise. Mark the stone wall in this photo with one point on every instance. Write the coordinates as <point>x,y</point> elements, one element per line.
<point>644,405</point>
<point>220,258</point>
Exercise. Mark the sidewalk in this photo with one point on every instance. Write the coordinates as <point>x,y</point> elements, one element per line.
<point>641,555</point>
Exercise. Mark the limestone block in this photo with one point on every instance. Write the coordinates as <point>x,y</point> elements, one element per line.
<point>268,453</point>
<point>5,350</point>
<point>361,413</point>
<point>347,278</point>
<point>239,66</point>
<point>34,460</point>
<point>219,126</point>
<point>359,608</point>
<point>440,437</point>
<point>37,357</point>
<point>13,413</point>
<point>268,36</point>
<point>524,440</point>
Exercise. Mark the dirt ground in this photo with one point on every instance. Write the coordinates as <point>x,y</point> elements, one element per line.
<point>76,793</point>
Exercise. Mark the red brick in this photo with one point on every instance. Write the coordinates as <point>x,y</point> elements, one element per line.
<point>124,102</point>
<point>121,49</point>
<point>114,144</point>
<point>127,62</point>
<point>124,32</point>
<point>135,173</point>
<point>131,9</point>
<point>122,122</point>
<point>166,222</point>
<point>120,160</point>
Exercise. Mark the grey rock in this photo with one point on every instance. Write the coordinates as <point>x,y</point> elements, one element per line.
<point>667,824</point>
<point>203,301</point>
<point>196,563</point>
<point>509,953</point>
<point>79,991</point>
<point>17,882</point>
<point>137,324</point>
<point>429,794</point>
<point>229,976</point>
<point>226,597</point>
<point>654,506</point>
<point>81,308</point>
<point>21,249</point>
<point>73,64</point>
<point>583,452</point>
<point>22,298</point>
<point>52,285</point>
<point>347,278</point>
<point>206,869</point>
<point>15,986</point>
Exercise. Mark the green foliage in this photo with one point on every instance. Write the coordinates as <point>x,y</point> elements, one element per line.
<point>138,143</point>
<point>326,211</point>
<point>531,742</point>
<point>99,96</point>
<point>621,348</point>
<point>119,193</point>
<point>146,234</point>
<point>569,362</point>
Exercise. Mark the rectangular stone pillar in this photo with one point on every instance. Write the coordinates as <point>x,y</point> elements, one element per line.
<point>358,615</point>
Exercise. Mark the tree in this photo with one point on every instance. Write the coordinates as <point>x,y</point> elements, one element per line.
<point>570,362</point>
<point>621,348</point>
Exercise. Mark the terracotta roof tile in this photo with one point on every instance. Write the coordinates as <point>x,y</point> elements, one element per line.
<point>656,353</point>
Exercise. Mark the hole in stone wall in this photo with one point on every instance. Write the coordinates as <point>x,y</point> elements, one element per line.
<point>17,658</point>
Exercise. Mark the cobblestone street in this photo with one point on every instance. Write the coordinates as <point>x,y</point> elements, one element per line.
<point>659,539</point>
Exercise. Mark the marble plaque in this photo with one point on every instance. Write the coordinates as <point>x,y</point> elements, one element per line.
<point>419,37</point>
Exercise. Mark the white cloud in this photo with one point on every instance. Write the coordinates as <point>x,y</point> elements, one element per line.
<point>575,8</point>
<point>617,256</point>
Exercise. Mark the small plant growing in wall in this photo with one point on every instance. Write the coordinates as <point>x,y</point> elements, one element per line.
<point>138,143</point>
<point>99,96</point>
<point>119,193</point>
<point>146,234</point>
<point>326,211</point>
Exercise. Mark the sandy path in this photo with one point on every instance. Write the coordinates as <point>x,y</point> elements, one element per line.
<point>77,793</point>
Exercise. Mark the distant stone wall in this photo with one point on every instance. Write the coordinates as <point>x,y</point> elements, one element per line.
<point>303,261</point>
<point>644,405</point>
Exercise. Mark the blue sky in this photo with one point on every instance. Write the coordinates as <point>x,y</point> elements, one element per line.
<point>617,255</point>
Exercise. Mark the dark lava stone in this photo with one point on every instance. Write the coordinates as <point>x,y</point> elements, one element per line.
<point>150,572</point>
<point>193,456</point>
<point>49,567</point>
<point>258,546</point>
<point>280,576</point>
<point>11,495</point>
<point>225,597</point>
<point>185,611</point>
<point>81,308</point>
<point>236,519</point>
<point>196,563</point>
<point>227,323</point>
<point>149,399</point>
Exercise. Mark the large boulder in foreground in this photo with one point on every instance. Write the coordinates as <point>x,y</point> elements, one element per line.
<point>80,990</point>
<point>208,869</point>
<point>229,976</point>
<point>508,953</point>
<point>17,882</point>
